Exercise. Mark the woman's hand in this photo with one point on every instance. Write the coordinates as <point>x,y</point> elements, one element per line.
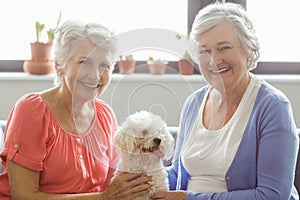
<point>127,186</point>
<point>170,195</point>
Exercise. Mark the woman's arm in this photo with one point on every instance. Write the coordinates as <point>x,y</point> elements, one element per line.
<point>24,184</point>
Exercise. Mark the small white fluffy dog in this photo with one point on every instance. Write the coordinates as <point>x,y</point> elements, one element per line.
<point>143,142</point>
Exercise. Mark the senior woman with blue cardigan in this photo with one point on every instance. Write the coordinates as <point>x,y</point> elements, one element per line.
<point>237,138</point>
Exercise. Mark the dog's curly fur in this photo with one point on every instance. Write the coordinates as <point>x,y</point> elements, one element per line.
<point>143,142</point>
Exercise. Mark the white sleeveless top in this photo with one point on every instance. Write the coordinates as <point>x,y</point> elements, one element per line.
<point>207,154</point>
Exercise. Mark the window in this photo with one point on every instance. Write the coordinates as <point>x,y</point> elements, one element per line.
<point>18,29</point>
<point>276,24</point>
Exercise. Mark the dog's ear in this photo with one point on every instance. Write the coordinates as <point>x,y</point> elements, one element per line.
<point>124,142</point>
<point>118,137</point>
<point>170,144</point>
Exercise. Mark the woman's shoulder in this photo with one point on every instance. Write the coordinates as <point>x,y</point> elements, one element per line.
<point>274,102</point>
<point>30,102</point>
<point>269,93</point>
<point>29,114</point>
<point>198,95</point>
<point>193,101</point>
<point>102,105</point>
<point>30,96</point>
<point>201,91</point>
<point>104,110</point>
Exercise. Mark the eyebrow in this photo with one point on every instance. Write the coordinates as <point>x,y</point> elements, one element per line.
<point>225,42</point>
<point>219,43</point>
<point>82,57</point>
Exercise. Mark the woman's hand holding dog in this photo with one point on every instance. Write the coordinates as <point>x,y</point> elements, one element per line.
<point>169,195</point>
<point>127,186</point>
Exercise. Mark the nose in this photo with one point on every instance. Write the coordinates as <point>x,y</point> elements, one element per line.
<point>214,58</point>
<point>96,73</point>
<point>157,141</point>
<point>99,72</point>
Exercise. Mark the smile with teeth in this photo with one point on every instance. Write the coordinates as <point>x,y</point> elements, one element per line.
<point>220,70</point>
<point>90,85</point>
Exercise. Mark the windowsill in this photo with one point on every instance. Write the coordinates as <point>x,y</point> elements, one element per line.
<point>20,76</point>
<point>278,68</point>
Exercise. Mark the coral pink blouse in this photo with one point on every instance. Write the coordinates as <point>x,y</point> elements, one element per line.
<point>67,163</point>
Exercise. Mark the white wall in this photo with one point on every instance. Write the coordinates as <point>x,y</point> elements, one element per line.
<point>161,94</point>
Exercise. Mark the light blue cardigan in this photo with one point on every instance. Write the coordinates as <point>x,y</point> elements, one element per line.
<point>264,165</point>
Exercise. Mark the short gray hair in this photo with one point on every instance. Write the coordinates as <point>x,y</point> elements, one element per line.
<point>235,14</point>
<point>74,30</point>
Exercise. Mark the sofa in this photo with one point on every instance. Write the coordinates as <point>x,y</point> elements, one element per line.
<point>173,131</point>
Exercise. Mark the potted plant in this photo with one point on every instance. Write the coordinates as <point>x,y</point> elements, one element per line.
<point>126,64</point>
<point>157,66</point>
<point>41,62</point>
<point>185,63</point>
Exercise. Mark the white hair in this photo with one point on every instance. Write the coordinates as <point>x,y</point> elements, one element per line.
<point>235,14</point>
<point>74,30</point>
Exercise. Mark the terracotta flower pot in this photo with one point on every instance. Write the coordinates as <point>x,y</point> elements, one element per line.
<point>185,67</point>
<point>157,67</point>
<point>41,51</point>
<point>126,66</point>
<point>39,67</point>
<point>40,62</point>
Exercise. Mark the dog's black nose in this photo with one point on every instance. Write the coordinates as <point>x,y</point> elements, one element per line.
<point>157,141</point>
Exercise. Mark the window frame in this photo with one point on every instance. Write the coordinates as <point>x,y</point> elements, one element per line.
<point>262,67</point>
<point>194,6</point>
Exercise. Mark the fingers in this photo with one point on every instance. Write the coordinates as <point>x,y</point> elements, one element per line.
<point>129,180</point>
<point>159,195</point>
<point>138,190</point>
<point>128,186</point>
<point>125,176</point>
<point>140,180</point>
<point>169,195</point>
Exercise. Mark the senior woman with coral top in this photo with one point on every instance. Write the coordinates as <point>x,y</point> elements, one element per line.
<point>59,142</point>
<point>237,138</point>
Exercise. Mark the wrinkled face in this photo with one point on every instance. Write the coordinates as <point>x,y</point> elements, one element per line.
<point>87,72</point>
<point>222,60</point>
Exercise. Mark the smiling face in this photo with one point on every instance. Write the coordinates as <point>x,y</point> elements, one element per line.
<point>87,72</point>
<point>222,60</point>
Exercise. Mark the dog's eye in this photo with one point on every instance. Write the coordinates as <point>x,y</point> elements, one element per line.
<point>144,132</point>
<point>144,149</point>
<point>157,141</point>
